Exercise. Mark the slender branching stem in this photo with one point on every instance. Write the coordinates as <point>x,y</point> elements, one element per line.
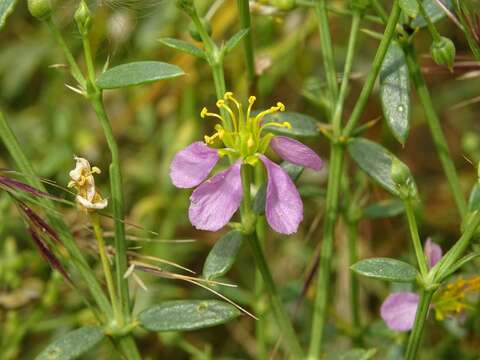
<point>107,271</point>
<point>420,318</point>
<point>327,49</point>
<point>245,23</point>
<point>417,243</point>
<point>433,122</point>
<point>289,337</point>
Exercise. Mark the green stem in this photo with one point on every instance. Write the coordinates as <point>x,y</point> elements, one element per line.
<point>374,71</point>
<point>288,334</point>
<point>74,69</point>
<point>443,267</point>
<point>128,347</point>
<point>337,115</point>
<point>436,129</point>
<point>323,277</point>
<point>245,23</point>
<point>417,243</point>
<point>431,27</point>
<point>417,331</point>
<point>106,266</point>
<point>248,220</point>
<point>118,204</point>
<point>116,186</point>
<point>261,323</point>
<point>327,49</point>
<point>25,166</point>
<point>352,233</point>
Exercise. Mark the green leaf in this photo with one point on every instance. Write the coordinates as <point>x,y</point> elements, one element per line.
<point>384,209</point>
<point>462,262</point>
<point>409,7</point>
<point>302,125</point>
<point>385,269</point>
<point>474,199</point>
<point>376,161</point>
<point>6,8</point>
<point>395,92</point>
<point>294,171</point>
<point>72,344</point>
<point>353,354</point>
<point>184,315</point>
<point>434,11</point>
<point>223,254</point>
<point>137,73</point>
<point>235,39</point>
<point>183,46</point>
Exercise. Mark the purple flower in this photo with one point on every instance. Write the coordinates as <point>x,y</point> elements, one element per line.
<point>399,309</point>
<point>215,201</point>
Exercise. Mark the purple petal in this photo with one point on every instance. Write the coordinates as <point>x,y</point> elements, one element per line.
<point>213,203</point>
<point>295,152</point>
<point>283,205</point>
<point>433,252</point>
<point>192,165</point>
<point>399,309</point>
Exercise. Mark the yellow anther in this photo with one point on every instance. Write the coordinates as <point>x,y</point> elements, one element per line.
<point>71,184</point>
<point>287,125</point>
<point>204,113</point>
<point>96,170</point>
<point>220,103</point>
<point>228,95</point>
<point>209,139</point>
<point>280,106</point>
<point>250,143</point>
<point>252,99</point>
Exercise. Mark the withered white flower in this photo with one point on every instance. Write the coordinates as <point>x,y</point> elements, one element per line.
<point>82,180</point>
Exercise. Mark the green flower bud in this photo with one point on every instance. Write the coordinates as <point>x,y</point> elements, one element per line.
<point>40,9</point>
<point>192,29</point>
<point>399,172</point>
<point>284,4</point>
<point>83,18</point>
<point>443,52</point>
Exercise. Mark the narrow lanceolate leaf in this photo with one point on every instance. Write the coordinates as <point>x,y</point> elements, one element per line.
<point>222,256</point>
<point>73,344</point>
<point>235,39</point>
<point>385,269</point>
<point>409,7</point>
<point>183,46</point>
<point>384,209</point>
<point>6,8</point>
<point>183,315</point>
<point>433,10</point>
<point>395,92</point>
<point>376,161</point>
<point>302,125</point>
<point>137,73</point>
<point>294,171</point>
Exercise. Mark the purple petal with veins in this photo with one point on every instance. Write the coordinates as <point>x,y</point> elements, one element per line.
<point>433,252</point>
<point>213,203</point>
<point>399,310</point>
<point>295,152</point>
<point>192,165</point>
<point>283,205</point>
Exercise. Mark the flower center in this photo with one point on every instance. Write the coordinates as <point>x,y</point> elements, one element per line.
<point>249,136</point>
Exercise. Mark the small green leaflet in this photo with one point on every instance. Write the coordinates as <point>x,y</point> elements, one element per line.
<point>395,92</point>
<point>385,269</point>
<point>72,344</point>
<point>184,315</point>
<point>137,73</point>
<point>183,46</point>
